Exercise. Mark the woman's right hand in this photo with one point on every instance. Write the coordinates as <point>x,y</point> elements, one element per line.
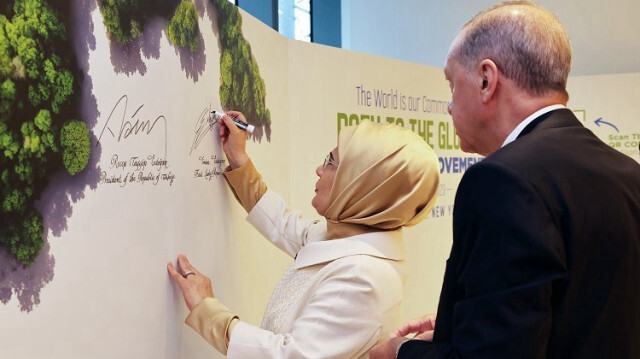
<point>234,140</point>
<point>423,328</point>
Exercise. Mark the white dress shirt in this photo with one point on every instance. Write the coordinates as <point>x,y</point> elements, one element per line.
<point>516,131</point>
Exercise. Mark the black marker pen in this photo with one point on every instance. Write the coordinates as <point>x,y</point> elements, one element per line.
<point>218,115</point>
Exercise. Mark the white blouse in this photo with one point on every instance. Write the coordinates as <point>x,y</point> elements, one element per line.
<point>338,298</point>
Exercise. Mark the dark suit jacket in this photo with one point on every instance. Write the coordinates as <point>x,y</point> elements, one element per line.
<point>545,261</point>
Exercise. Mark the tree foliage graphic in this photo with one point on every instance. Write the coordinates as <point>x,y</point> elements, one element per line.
<point>74,139</point>
<point>36,83</point>
<point>182,29</point>
<point>125,19</point>
<point>241,86</point>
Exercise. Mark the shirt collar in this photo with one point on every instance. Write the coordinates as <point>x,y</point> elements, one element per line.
<point>387,245</point>
<point>516,131</point>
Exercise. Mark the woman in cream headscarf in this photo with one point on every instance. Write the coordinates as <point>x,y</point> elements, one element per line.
<point>343,291</point>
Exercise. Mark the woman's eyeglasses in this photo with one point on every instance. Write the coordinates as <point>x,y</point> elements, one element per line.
<point>328,161</point>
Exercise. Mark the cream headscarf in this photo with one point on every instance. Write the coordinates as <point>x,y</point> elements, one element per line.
<point>387,178</point>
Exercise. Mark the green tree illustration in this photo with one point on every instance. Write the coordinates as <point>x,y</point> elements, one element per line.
<point>182,29</point>
<point>36,83</point>
<point>241,86</point>
<point>125,19</point>
<point>76,148</point>
<point>122,18</point>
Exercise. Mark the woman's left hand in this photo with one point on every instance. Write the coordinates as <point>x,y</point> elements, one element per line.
<point>194,285</point>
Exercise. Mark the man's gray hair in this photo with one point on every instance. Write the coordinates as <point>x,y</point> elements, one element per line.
<point>528,44</point>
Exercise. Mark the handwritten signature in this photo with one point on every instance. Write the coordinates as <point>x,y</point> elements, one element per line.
<point>128,127</point>
<point>204,125</point>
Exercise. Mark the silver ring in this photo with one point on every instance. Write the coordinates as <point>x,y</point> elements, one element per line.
<point>187,274</point>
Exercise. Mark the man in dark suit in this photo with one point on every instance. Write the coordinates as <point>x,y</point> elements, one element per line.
<point>545,261</point>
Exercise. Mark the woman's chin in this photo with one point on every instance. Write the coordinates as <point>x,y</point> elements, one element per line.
<point>314,204</point>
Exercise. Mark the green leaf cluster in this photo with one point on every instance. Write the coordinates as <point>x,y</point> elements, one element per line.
<point>36,83</point>
<point>23,239</point>
<point>182,29</point>
<point>76,147</point>
<point>125,19</point>
<point>242,88</point>
<point>30,41</point>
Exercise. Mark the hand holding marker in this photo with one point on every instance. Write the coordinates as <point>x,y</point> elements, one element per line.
<point>233,137</point>
<point>218,115</point>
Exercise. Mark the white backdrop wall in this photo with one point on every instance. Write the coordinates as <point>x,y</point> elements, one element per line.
<point>608,105</point>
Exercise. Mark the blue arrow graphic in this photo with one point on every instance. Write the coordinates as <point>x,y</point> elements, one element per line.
<point>599,121</point>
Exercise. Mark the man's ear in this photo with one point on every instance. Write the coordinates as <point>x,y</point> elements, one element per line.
<point>489,79</point>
